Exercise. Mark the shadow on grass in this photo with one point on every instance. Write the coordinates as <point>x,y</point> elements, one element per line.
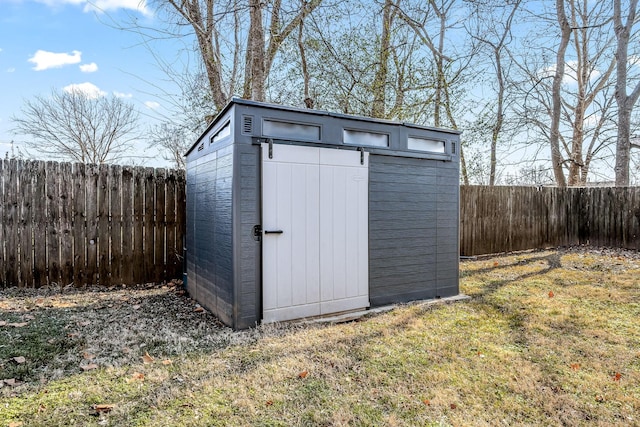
<point>552,260</point>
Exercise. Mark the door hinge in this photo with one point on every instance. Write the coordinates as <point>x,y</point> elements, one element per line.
<point>361,150</point>
<point>270,142</point>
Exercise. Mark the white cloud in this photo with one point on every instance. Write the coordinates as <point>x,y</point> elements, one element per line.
<point>152,105</point>
<point>88,89</point>
<point>89,68</point>
<point>45,60</point>
<point>570,72</point>
<point>122,95</point>
<point>102,5</point>
<point>11,70</point>
<point>109,5</point>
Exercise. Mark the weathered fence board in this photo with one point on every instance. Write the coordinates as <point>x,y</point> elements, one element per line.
<point>79,224</point>
<point>115,220</point>
<point>138,225</point>
<point>40,225</point>
<point>66,223</point>
<point>10,220</point>
<point>65,226</point>
<point>127,253</point>
<point>502,219</point>
<point>159,224</point>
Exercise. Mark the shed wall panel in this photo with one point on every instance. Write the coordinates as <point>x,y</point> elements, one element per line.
<point>412,229</point>
<point>247,278</point>
<point>209,232</point>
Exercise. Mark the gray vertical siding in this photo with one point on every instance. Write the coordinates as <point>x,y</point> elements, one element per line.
<point>248,297</point>
<point>412,229</point>
<point>209,232</point>
<point>447,241</point>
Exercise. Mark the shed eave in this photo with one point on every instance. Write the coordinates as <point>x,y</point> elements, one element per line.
<point>250,103</point>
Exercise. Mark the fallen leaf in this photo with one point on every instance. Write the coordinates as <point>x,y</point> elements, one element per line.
<point>303,374</point>
<point>42,408</point>
<point>426,402</point>
<point>20,360</point>
<point>89,367</point>
<point>167,362</point>
<point>103,408</point>
<point>495,263</point>
<point>147,359</point>
<point>551,294</point>
<point>269,402</point>
<point>135,307</point>
<point>88,356</point>
<point>599,398</point>
<point>199,310</point>
<point>453,406</point>
<point>18,325</point>
<point>617,376</point>
<point>137,376</point>
<point>16,424</point>
<point>3,323</point>
<point>575,366</point>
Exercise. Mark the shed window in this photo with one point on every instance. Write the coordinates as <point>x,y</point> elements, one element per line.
<point>355,137</point>
<point>428,145</point>
<point>288,130</point>
<point>223,132</point>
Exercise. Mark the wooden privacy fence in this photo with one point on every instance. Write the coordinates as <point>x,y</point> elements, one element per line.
<point>69,223</point>
<point>503,219</point>
<point>66,223</point>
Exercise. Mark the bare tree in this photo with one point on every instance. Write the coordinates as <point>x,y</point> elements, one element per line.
<point>494,32</point>
<point>174,142</point>
<point>556,97</point>
<point>222,41</point>
<point>625,101</point>
<point>75,127</point>
<point>566,93</point>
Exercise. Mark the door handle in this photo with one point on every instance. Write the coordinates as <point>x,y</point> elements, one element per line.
<point>273,231</point>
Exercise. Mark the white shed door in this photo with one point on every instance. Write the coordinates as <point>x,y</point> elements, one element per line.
<point>315,231</point>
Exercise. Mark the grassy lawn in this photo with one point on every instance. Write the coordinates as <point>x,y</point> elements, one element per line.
<point>548,338</point>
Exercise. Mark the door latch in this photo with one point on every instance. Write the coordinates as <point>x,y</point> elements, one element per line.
<point>257,232</point>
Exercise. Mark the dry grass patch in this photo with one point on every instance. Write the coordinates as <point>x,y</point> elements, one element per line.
<point>549,338</point>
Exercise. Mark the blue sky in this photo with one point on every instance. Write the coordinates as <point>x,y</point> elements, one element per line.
<point>50,45</point>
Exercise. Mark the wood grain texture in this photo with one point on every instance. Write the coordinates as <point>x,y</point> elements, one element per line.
<point>65,223</point>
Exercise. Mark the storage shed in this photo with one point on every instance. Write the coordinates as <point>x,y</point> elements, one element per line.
<point>296,213</point>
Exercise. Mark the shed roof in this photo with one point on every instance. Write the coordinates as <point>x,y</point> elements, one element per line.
<point>245,102</point>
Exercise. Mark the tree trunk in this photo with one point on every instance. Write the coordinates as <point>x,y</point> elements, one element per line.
<point>497,127</point>
<point>380,79</point>
<point>625,103</point>
<point>255,46</point>
<point>554,140</point>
